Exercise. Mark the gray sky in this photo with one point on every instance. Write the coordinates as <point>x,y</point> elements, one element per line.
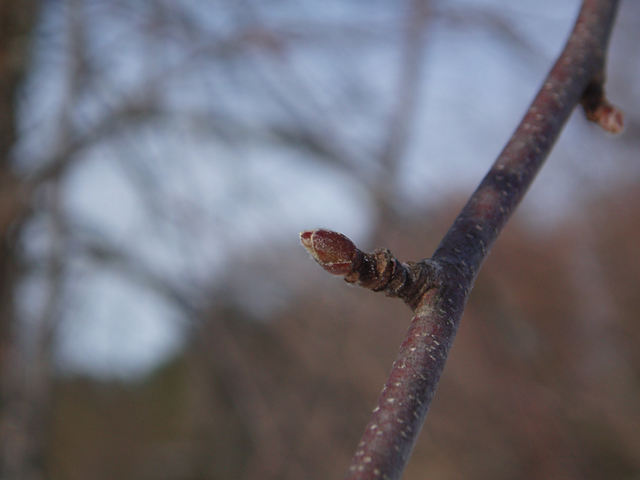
<point>187,193</point>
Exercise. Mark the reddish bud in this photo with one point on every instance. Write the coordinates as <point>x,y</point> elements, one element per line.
<point>608,116</point>
<point>333,251</point>
<point>612,120</point>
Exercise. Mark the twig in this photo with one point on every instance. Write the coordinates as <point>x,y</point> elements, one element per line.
<point>379,271</point>
<point>437,288</point>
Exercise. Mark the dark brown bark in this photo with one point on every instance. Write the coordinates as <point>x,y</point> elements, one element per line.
<point>16,24</point>
<point>16,18</point>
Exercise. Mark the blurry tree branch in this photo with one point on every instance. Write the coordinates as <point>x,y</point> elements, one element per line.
<point>288,110</point>
<point>437,288</point>
<point>403,114</point>
<point>68,154</point>
<point>16,23</point>
<point>221,349</point>
<point>27,376</point>
<point>120,260</point>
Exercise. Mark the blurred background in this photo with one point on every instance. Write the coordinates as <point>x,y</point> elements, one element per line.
<point>158,317</point>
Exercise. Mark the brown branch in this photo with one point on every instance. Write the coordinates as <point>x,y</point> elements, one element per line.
<point>379,271</point>
<point>437,288</point>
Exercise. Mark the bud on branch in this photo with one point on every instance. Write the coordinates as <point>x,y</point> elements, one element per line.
<point>331,250</point>
<point>378,271</point>
<point>598,109</point>
<point>437,288</point>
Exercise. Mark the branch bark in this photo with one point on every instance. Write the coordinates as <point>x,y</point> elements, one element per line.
<point>437,288</point>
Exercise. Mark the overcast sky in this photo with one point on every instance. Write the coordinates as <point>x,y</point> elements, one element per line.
<point>185,202</point>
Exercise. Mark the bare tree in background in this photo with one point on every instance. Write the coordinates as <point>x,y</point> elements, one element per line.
<point>20,431</point>
<point>27,363</point>
<point>242,373</point>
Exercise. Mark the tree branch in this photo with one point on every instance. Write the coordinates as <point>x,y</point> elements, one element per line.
<point>437,289</point>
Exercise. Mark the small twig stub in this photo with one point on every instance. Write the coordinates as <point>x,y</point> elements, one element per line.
<point>379,270</point>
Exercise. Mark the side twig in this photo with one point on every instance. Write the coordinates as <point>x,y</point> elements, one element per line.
<point>437,288</point>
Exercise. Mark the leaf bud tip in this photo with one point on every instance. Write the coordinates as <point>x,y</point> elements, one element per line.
<point>333,251</point>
